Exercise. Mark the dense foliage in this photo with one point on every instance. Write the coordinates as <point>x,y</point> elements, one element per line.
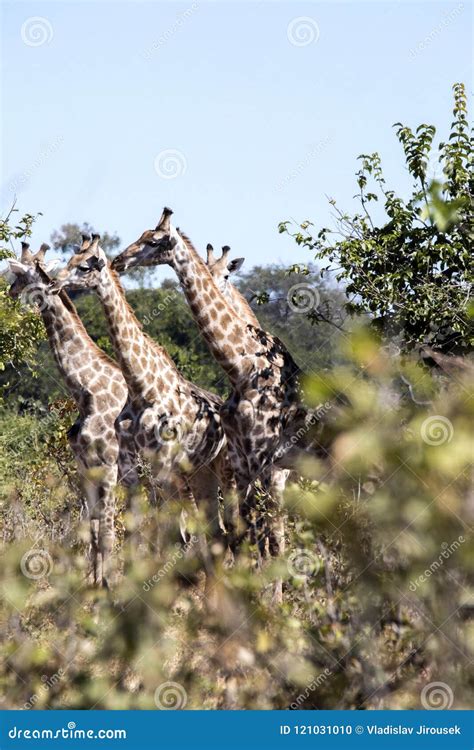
<point>413,270</point>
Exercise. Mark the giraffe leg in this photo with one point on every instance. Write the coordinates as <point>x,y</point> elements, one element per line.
<point>75,441</point>
<point>263,513</point>
<point>96,571</point>
<point>204,487</point>
<point>128,455</point>
<point>238,500</point>
<point>106,493</point>
<point>100,479</point>
<point>277,531</point>
<point>228,487</point>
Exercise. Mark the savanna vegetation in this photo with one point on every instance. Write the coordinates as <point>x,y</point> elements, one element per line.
<point>378,598</point>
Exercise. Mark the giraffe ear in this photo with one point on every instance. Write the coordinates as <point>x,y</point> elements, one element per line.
<point>16,267</point>
<point>235,264</point>
<point>52,265</point>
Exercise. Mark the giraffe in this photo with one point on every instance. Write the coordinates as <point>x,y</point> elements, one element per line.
<point>176,425</point>
<point>99,390</point>
<point>221,269</point>
<point>261,414</point>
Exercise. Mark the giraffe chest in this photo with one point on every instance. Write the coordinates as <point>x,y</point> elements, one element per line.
<point>255,418</point>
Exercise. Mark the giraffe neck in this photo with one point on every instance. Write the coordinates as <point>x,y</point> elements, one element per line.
<point>238,302</point>
<point>71,346</point>
<point>226,334</point>
<point>149,372</point>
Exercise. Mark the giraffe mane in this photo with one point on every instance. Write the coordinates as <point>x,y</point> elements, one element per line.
<point>71,308</point>
<point>186,239</point>
<point>252,318</point>
<point>199,260</point>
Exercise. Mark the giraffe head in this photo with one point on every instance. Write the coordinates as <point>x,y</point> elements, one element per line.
<point>30,274</point>
<point>84,269</point>
<point>154,247</point>
<point>221,268</point>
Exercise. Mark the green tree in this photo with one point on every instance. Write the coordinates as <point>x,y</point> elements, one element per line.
<point>412,271</point>
<point>21,329</point>
<point>306,312</point>
<point>68,236</point>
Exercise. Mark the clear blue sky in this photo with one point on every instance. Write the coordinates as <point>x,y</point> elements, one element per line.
<point>266,128</point>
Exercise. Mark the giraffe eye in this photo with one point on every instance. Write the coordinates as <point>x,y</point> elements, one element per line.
<point>84,268</point>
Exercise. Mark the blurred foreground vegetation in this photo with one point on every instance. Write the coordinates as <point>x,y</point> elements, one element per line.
<point>377,592</point>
